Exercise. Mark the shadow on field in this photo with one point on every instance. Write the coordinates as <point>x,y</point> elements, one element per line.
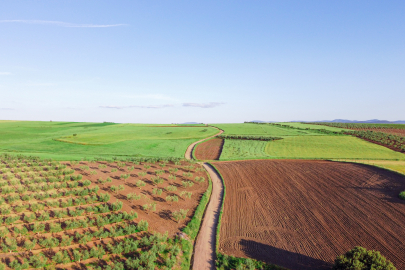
<point>280,257</point>
<point>386,185</point>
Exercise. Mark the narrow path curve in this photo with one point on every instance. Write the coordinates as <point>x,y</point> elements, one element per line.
<point>189,151</point>
<point>204,249</point>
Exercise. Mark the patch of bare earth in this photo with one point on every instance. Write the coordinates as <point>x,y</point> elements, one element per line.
<point>160,220</point>
<point>302,214</point>
<point>209,150</point>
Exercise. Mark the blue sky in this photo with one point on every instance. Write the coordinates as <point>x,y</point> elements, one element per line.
<point>202,61</point>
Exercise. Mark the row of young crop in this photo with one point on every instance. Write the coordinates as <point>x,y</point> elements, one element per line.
<point>359,125</point>
<point>61,214</point>
<point>248,137</point>
<point>30,239</point>
<point>128,253</point>
<point>312,130</point>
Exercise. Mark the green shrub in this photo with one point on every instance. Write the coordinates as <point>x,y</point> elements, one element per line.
<point>402,195</point>
<point>360,258</point>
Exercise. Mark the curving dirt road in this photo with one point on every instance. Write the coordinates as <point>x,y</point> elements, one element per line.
<point>189,151</point>
<point>204,250</point>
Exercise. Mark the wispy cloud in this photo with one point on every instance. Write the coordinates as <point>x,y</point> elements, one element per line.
<point>62,24</point>
<point>5,73</point>
<point>143,107</point>
<point>149,96</point>
<point>6,109</point>
<point>203,105</point>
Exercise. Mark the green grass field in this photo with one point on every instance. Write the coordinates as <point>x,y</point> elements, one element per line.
<point>393,165</point>
<point>260,129</point>
<point>300,125</point>
<point>56,139</point>
<point>308,147</point>
<point>243,149</point>
<point>328,147</point>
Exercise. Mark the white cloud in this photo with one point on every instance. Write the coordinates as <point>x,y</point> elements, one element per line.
<point>6,109</point>
<point>153,106</point>
<point>63,24</point>
<point>5,73</point>
<point>203,105</point>
<point>143,107</point>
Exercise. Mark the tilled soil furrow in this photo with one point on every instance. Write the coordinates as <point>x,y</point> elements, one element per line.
<point>302,214</point>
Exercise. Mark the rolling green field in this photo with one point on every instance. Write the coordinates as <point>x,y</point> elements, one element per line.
<point>243,149</point>
<point>329,147</point>
<point>308,147</point>
<point>301,125</point>
<point>260,129</point>
<point>393,165</point>
<point>57,140</point>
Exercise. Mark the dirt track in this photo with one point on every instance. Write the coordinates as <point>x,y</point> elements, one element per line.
<point>189,152</point>
<point>204,249</point>
<point>204,252</point>
<point>302,214</point>
<point>209,150</point>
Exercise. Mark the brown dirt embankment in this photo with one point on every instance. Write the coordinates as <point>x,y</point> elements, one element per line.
<point>209,150</point>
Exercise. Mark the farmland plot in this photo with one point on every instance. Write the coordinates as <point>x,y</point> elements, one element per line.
<point>260,129</point>
<point>209,150</point>
<point>329,147</point>
<point>70,140</point>
<point>95,215</point>
<point>301,214</point>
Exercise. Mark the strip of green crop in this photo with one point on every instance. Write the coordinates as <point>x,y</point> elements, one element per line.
<point>193,227</point>
<point>187,248</point>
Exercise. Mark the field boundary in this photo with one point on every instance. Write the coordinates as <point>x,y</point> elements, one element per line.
<point>221,209</point>
<point>190,149</point>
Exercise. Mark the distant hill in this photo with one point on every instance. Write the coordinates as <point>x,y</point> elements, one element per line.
<point>190,123</point>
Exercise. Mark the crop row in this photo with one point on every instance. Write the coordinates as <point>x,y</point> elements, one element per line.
<point>144,253</point>
<point>12,198</point>
<point>58,214</point>
<point>66,225</point>
<point>357,125</point>
<point>247,137</point>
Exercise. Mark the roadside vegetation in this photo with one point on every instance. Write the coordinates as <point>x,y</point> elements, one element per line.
<point>362,259</point>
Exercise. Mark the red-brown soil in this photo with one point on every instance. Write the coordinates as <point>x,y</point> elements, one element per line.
<point>209,150</point>
<point>161,220</point>
<point>393,131</point>
<point>302,214</point>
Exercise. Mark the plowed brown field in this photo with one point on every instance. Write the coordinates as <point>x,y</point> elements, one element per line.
<point>209,150</point>
<point>302,214</point>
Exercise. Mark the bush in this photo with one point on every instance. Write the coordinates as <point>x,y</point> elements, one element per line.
<point>360,258</point>
<point>402,195</point>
